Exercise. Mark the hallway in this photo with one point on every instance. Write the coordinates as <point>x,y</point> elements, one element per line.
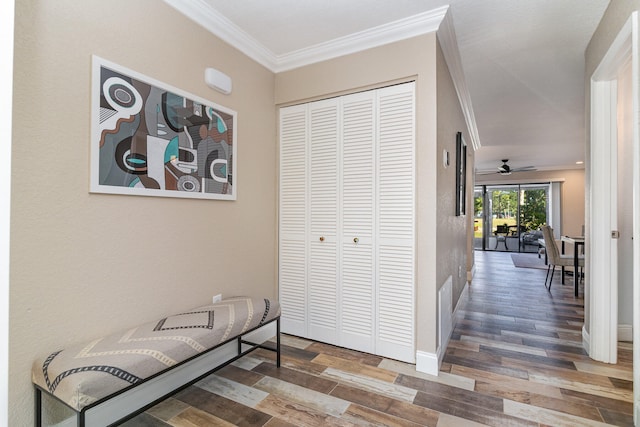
<point>515,359</point>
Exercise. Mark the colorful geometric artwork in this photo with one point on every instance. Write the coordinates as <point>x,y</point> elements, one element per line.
<point>154,140</point>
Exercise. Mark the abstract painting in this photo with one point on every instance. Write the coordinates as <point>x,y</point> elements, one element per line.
<point>154,140</point>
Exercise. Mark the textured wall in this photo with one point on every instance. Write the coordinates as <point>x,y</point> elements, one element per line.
<point>451,234</point>
<point>83,265</point>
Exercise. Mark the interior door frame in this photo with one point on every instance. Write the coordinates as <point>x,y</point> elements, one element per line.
<point>600,338</point>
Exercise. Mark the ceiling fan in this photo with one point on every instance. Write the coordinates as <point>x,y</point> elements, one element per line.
<point>505,169</point>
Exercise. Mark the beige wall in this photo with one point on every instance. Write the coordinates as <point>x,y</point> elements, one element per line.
<point>572,192</point>
<point>451,231</point>
<point>82,264</point>
<point>412,59</point>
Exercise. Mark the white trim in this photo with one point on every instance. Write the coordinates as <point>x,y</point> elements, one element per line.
<point>445,310</point>
<point>459,304</point>
<point>402,29</point>
<point>470,274</point>
<point>603,326</point>
<point>204,14</point>
<point>635,94</point>
<point>7,11</point>
<point>602,254</point>
<point>625,333</point>
<point>586,339</point>
<point>449,43</point>
<point>429,363</point>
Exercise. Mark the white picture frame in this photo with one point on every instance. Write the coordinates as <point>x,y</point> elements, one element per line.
<point>151,139</point>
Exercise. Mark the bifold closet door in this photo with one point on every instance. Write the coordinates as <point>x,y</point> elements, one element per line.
<point>396,222</point>
<point>346,236</point>
<point>357,284</point>
<point>292,252</point>
<point>322,278</point>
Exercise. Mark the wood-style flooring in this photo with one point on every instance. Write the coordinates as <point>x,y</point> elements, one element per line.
<point>515,359</point>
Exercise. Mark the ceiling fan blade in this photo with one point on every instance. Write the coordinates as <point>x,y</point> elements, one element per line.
<point>524,168</point>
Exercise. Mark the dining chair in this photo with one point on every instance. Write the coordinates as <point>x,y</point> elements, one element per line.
<point>501,235</point>
<point>555,258</point>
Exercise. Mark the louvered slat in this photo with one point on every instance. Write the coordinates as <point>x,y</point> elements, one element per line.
<point>323,145</point>
<point>396,161</point>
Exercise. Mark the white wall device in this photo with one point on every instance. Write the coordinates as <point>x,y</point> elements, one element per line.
<point>217,80</point>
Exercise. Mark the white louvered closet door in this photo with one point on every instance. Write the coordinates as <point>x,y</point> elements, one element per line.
<point>357,291</point>
<point>293,219</point>
<point>324,179</point>
<point>347,190</point>
<point>396,229</point>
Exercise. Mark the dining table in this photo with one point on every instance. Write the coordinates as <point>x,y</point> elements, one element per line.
<point>577,242</point>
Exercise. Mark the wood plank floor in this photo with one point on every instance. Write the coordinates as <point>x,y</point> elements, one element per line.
<point>515,359</point>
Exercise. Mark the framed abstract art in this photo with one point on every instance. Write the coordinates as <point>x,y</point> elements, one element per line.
<point>151,139</point>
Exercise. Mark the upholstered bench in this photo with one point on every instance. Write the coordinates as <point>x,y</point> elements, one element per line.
<point>112,379</point>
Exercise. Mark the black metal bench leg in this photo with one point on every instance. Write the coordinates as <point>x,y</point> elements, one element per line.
<point>278,342</point>
<point>38,407</point>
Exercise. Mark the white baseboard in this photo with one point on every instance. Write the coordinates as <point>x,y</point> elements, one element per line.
<point>427,362</point>
<point>625,333</point>
<point>471,273</point>
<point>463,296</point>
<point>586,340</point>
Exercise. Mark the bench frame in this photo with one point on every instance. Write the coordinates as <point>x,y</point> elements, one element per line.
<point>226,346</point>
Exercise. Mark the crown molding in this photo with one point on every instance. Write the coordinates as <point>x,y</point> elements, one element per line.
<point>449,43</point>
<point>423,23</point>
<point>203,14</point>
<point>434,20</point>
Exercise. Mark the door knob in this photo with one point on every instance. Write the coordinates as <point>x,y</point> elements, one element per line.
<point>322,239</point>
<point>356,240</point>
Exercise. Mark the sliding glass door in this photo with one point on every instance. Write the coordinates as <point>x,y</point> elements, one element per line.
<point>508,217</point>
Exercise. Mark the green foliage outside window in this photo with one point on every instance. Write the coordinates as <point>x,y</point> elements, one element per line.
<point>533,208</point>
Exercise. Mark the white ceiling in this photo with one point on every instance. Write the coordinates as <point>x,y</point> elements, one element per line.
<point>523,61</point>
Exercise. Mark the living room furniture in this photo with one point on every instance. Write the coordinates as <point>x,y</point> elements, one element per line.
<point>577,242</point>
<point>530,238</point>
<point>111,379</point>
<point>555,258</point>
<point>501,233</point>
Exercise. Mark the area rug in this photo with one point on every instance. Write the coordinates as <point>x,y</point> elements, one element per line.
<point>528,261</point>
